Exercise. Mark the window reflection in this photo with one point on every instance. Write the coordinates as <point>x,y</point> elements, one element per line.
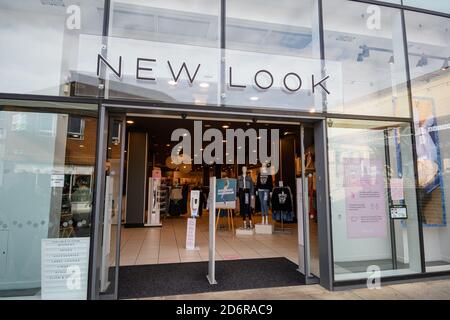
<point>367,40</point>
<point>46,190</point>
<point>429,51</point>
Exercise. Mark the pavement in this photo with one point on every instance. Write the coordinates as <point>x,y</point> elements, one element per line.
<point>424,290</point>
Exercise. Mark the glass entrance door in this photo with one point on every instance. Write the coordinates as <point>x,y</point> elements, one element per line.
<point>306,201</point>
<point>109,254</point>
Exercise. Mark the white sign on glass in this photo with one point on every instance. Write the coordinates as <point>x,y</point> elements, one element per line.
<point>64,268</point>
<point>57,181</point>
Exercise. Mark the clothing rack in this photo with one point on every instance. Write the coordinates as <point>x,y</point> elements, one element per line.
<point>283,229</point>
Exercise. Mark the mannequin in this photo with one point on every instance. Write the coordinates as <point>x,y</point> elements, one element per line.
<point>245,192</point>
<point>264,188</point>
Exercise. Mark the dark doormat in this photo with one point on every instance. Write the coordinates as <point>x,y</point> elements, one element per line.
<point>187,278</point>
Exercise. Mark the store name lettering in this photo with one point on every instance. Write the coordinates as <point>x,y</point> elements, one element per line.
<point>262,79</point>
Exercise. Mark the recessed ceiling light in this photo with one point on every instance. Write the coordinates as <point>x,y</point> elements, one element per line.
<point>254,98</point>
<point>225,126</point>
<point>81,146</point>
<point>130,121</point>
<point>204,84</point>
<point>168,145</point>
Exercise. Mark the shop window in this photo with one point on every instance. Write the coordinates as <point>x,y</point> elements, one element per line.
<point>373,199</point>
<point>366,40</point>
<point>429,53</point>
<point>46,193</point>
<point>435,5</point>
<point>75,128</point>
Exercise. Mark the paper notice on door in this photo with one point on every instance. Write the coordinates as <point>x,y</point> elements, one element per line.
<point>57,181</point>
<point>365,201</point>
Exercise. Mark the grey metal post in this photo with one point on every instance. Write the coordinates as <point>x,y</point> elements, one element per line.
<point>212,232</point>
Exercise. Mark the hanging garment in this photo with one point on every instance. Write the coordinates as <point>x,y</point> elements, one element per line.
<point>176,194</point>
<point>184,200</point>
<point>282,205</point>
<point>282,199</point>
<point>264,181</point>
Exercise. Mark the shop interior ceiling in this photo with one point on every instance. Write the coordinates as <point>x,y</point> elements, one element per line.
<point>159,132</point>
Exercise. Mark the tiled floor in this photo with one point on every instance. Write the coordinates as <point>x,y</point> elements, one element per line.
<point>167,244</point>
<point>429,290</point>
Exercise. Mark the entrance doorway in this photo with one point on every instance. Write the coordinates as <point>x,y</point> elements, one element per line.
<point>268,237</point>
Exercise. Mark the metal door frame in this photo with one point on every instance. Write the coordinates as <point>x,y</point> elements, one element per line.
<point>124,110</point>
<point>102,147</point>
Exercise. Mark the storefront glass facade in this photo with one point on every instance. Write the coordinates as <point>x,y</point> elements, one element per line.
<point>384,98</point>
<point>47,161</point>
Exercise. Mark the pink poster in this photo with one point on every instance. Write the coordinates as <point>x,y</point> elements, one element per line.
<point>365,199</point>
<point>397,189</point>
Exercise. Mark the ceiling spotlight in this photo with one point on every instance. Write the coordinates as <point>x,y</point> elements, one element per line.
<point>423,61</point>
<point>130,121</point>
<point>391,60</point>
<point>204,84</point>
<point>254,98</point>
<point>445,65</point>
<point>225,126</point>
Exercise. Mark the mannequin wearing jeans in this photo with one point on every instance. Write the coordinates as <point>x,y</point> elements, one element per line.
<point>264,187</point>
<point>245,192</point>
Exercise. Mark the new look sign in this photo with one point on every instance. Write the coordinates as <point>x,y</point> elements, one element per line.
<point>177,73</point>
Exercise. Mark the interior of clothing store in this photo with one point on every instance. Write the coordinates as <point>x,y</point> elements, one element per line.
<point>261,222</point>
